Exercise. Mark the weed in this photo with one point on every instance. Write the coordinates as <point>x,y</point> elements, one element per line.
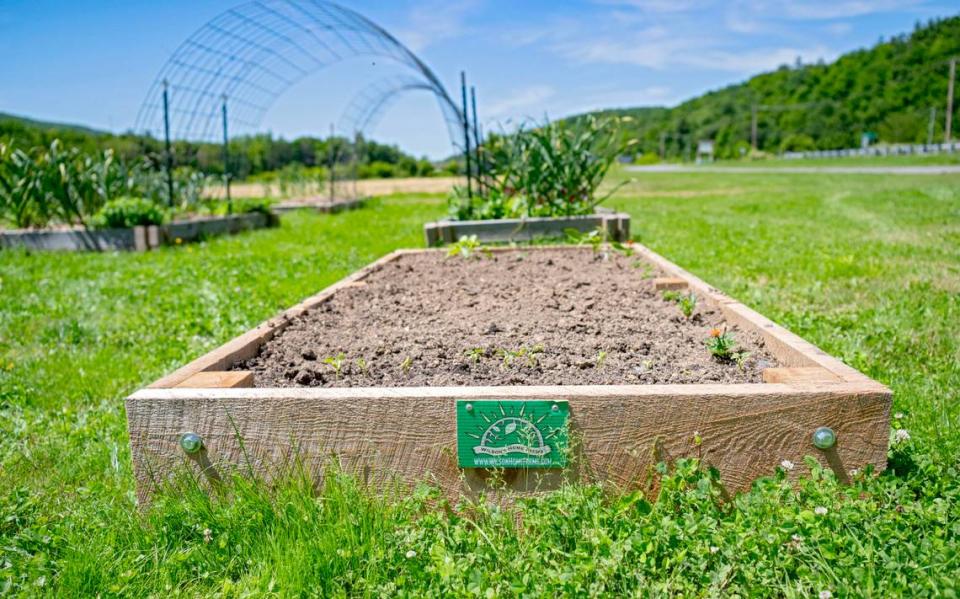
<point>688,303</point>
<point>362,365</point>
<point>601,359</point>
<point>335,362</point>
<point>406,365</point>
<point>530,353</point>
<point>722,346</point>
<point>475,354</point>
<point>594,238</point>
<point>468,246</point>
<point>671,296</point>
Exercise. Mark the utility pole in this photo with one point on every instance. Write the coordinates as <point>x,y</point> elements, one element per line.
<point>166,139</point>
<point>753,127</point>
<point>933,122</point>
<point>466,133</point>
<point>226,154</point>
<point>663,146</point>
<point>948,133</point>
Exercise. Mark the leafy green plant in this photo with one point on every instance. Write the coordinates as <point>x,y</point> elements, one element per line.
<point>252,205</point>
<point>593,238</point>
<point>468,246</point>
<point>687,304</point>
<point>128,212</point>
<point>600,360</point>
<point>722,346</point>
<point>336,363</point>
<point>362,365</point>
<point>508,356</point>
<point>553,169</point>
<point>474,354</point>
<point>406,365</point>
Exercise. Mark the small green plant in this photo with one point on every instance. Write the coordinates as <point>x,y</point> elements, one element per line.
<point>687,303</point>
<point>362,365</point>
<point>128,212</point>
<point>475,354</point>
<point>601,359</point>
<point>723,347</point>
<point>671,296</point>
<point>594,238</point>
<point>335,362</point>
<point>406,365</point>
<point>251,205</point>
<point>530,353</point>
<point>624,249</point>
<point>468,246</point>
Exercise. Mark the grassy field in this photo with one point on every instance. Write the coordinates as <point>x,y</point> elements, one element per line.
<point>866,267</point>
<point>913,160</point>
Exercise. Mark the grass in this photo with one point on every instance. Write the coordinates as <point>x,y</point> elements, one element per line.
<point>910,160</point>
<point>866,267</point>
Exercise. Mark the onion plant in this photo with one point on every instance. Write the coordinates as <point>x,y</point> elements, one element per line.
<point>553,169</point>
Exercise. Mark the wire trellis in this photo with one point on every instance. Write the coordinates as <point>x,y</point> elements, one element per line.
<point>248,56</point>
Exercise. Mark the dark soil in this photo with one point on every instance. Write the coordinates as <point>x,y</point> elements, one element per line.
<point>540,317</point>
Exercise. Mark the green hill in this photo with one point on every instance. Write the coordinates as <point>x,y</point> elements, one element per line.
<point>888,90</point>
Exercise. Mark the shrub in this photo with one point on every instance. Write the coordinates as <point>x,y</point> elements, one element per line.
<point>551,170</point>
<point>128,212</point>
<point>250,205</point>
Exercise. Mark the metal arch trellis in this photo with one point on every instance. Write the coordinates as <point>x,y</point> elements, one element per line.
<point>251,54</point>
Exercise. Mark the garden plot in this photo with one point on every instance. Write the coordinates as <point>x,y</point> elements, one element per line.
<point>395,370</point>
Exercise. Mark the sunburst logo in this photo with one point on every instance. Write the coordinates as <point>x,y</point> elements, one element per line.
<point>511,434</point>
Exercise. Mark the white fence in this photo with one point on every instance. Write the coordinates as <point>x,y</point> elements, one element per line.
<point>880,150</point>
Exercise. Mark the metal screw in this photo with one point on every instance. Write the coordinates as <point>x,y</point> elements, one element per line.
<point>555,408</point>
<point>469,407</point>
<point>824,438</point>
<point>191,442</point>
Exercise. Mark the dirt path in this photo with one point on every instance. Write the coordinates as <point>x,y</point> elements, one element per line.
<point>809,170</point>
<point>365,187</point>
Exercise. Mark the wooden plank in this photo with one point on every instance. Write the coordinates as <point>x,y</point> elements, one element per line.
<point>212,379</point>
<point>409,434</point>
<point>669,283</point>
<point>814,374</point>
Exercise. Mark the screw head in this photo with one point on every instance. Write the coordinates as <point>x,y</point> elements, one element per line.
<point>191,442</point>
<point>469,407</point>
<point>555,408</point>
<point>824,438</point>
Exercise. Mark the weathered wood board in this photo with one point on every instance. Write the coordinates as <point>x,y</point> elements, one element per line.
<point>618,432</point>
<point>616,226</point>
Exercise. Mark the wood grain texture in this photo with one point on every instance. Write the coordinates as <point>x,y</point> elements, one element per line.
<point>409,434</point>
<point>814,374</point>
<point>213,379</point>
<point>669,283</point>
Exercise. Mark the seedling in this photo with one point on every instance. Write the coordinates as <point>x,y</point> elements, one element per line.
<point>624,249</point>
<point>592,238</point>
<point>335,362</point>
<point>467,247</point>
<point>671,296</point>
<point>601,359</point>
<point>722,347</point>
<point>688,303</point>
<point>508,356</point>
<point>362,365</point>
<point>406,365</point>
<point>475,354</point>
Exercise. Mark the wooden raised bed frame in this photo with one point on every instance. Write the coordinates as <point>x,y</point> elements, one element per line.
<point>409,433</point>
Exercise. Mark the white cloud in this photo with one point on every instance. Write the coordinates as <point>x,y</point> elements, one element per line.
<point>435,21</point>
<point>514,103</point>
<point>658,6</point>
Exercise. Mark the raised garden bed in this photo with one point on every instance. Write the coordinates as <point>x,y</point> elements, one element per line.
<point>615,224</point>
<point>322,204</point>
<point>135,238</point>
<point>382,370</point>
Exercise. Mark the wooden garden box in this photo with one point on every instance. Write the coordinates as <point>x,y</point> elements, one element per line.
<point>409,434</point>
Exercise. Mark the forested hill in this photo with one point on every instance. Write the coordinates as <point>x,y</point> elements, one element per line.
<point>888,90</point>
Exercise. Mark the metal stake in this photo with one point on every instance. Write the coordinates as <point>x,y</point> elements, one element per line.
<point>166,138</point>
<point>226,155</point>
<point>466,133</point>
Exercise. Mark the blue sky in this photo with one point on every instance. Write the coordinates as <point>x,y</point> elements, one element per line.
<point>92,63</point>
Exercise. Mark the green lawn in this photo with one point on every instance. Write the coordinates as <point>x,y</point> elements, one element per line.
<point>866,267</point>
<point>910,160</point>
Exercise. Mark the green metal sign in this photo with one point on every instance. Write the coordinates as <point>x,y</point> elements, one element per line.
<point>512,434</point>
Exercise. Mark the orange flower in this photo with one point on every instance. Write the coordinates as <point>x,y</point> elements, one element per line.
<point>715,332</point>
